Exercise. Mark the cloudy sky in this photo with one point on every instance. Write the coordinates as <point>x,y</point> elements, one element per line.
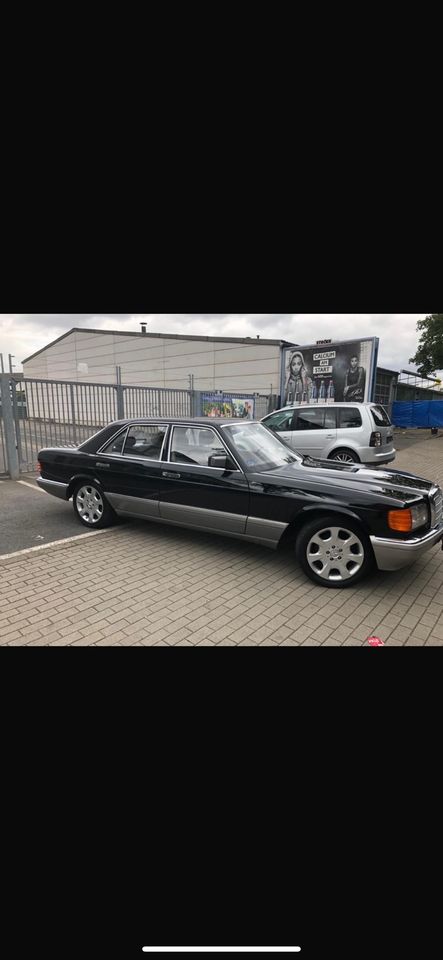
<point>21,334</point>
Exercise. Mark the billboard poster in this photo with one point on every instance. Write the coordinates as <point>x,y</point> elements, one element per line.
<point>227,405</point>
<point>329,371</point>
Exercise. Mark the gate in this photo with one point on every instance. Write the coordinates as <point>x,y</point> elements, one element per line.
<point>61,413</point>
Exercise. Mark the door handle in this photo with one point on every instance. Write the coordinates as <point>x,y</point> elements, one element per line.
<point>170,475</point>
<point>330,436</point>
<point>100,466</point>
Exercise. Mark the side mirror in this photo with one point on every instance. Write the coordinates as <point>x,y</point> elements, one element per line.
<point>221,461</point>
<point>218,460</point>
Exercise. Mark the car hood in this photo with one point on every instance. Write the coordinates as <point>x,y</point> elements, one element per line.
<point>392,483</point>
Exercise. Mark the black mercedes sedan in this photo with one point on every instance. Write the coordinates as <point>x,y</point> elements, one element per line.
<point>238,479</point>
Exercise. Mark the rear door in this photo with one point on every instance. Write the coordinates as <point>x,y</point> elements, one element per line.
<point>129,469</point>
<point>315,429</point>
<point>192,492</point>
<point>351,431</point>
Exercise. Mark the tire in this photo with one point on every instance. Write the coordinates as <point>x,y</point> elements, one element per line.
<point>344,455</point>
<point>345,540</point>
<point>91,506</point>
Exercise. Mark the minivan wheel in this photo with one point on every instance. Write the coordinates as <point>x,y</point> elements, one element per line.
<point>91,506</point>
<point>343,455</point>
<point>334,551</point>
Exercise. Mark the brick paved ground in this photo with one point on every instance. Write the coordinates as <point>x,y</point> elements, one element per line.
<point>143,584</point>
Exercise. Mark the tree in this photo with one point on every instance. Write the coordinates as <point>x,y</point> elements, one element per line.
<point>429,355</point>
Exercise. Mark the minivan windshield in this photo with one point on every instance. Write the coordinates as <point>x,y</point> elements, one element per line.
<point>380,416</point>
<point>258,448</point>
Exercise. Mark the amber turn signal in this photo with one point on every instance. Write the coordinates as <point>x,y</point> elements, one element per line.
<point>38,466</point>
<point>400,520</point>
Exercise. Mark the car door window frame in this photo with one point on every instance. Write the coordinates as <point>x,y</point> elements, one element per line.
<point>128,456</point>
<point>200,466</point>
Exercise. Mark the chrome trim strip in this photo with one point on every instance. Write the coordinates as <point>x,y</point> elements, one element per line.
<point>395,554</point>
<point>53,486</point>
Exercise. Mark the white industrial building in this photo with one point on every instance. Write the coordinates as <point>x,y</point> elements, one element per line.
<point>236,364</point>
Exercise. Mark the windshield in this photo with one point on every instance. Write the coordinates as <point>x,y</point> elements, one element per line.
<point>258,448</point>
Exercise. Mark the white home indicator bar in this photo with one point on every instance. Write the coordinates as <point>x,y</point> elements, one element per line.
<point>221,949</point>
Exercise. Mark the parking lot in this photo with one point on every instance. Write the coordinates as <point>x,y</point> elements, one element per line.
<point>145,584</point>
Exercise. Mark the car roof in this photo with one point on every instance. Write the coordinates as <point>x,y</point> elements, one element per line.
<point>337,403</point>
<point>184,421</point>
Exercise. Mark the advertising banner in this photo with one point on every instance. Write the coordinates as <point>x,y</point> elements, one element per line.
<point>227,405</point>
<point>329,371</point>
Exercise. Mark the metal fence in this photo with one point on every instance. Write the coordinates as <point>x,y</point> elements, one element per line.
<point>59,413</point>
<point>2,447</point>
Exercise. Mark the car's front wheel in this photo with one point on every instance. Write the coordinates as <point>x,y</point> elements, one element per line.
<point>334,551</point>
<point>91,506</point>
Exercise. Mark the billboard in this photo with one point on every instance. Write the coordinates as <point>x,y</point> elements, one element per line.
<point>328,371</point>
<point>227,405</point>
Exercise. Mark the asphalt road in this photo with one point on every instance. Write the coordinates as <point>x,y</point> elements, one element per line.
<point>29,517</point>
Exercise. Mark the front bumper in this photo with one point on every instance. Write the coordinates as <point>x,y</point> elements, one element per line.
<point>395,554</point>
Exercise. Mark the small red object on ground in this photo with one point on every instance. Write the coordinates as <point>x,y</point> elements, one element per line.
<point>375,642</point>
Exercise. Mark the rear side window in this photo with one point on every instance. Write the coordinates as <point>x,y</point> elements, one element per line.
<point>116,445</point>
<point>145,440</point>
<point>310,419</point>
<point>349,417</point>
<point>380,417</point>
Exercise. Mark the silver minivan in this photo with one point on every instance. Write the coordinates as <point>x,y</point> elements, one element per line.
<point>348,432</point>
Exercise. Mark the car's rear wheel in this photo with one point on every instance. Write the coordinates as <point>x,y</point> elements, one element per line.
<point>334,551</point>
<point>91,506</point>
<point>344,455</point>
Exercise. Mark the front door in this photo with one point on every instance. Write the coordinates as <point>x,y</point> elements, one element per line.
<point>198,495</point>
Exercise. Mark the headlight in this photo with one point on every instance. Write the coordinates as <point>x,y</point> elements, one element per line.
<point>409,519</point>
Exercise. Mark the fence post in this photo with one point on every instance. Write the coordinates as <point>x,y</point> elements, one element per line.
<point>120,402</point>
<point>74,432</point>
<point>195,403</point>
<point>8,420</point>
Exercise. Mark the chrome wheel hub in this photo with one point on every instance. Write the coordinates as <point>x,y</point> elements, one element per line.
<point>335,553</point>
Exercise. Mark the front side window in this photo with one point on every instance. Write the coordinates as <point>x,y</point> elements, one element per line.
<point>145,440</point>
<point>280,422</point>
<point>349,417</point>
<point>194,445</point>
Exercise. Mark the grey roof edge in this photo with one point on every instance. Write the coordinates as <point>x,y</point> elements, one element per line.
<point>163,336</point>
